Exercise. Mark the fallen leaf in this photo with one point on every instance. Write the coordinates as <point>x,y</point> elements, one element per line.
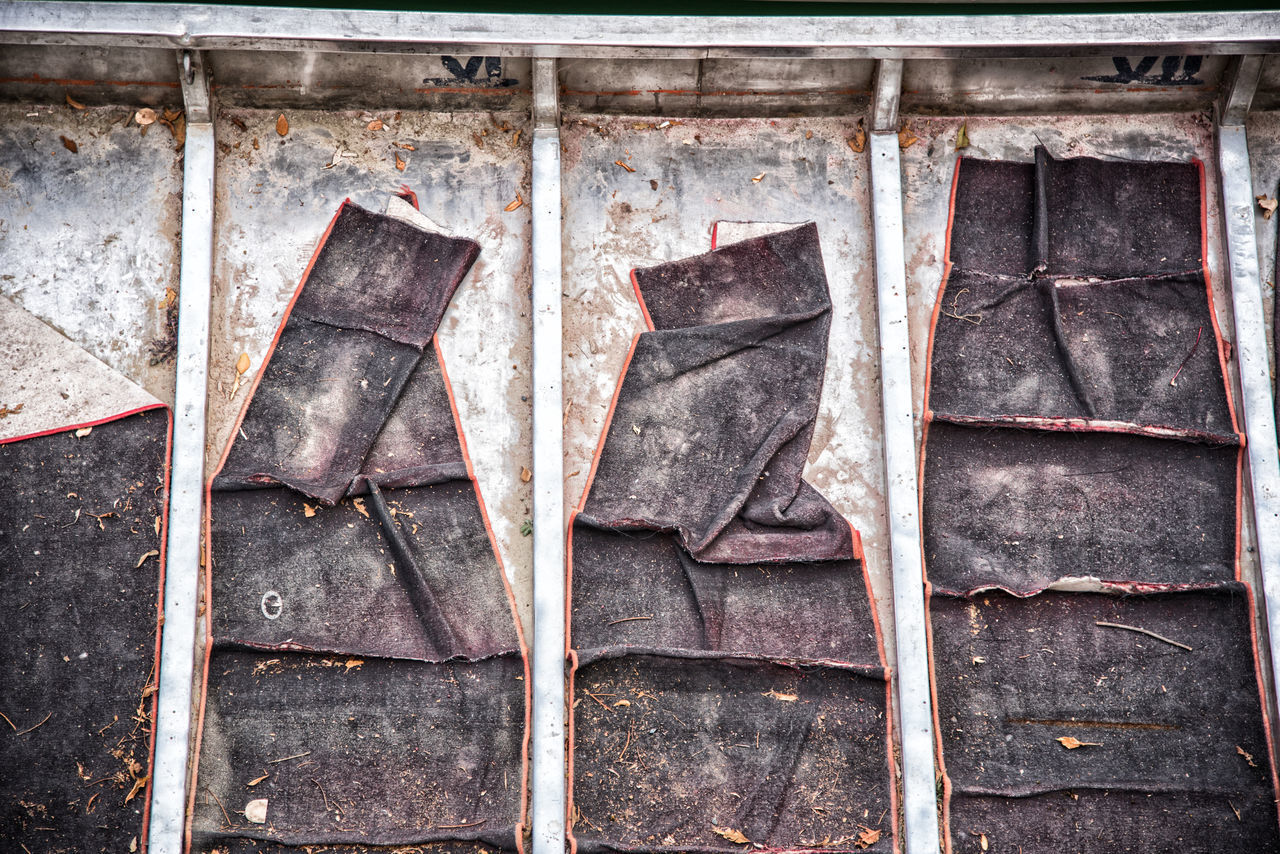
<point>1268,206</point>
<point>83,431</point>
<point>256,780</point>
<point>525,474</point>
<point>354,662</point>
<point>635,428</point>
<point>622,703</point>
<point>143,559</point>
<point>1248,757</point>
<point>6,410</point>
<point>242,364</point>
<point>1072,743</point>
<point>400,163</point>
<point>282,125</point>
<point>623,165</point>
<point>376,124</point>
<point>70,145</point>
<point>406,146</point>
<point>859,140</point>
<point>72,102</point>
<point>517,203</point>
<point>157,526</point>
<point>962,142</point>
<point>758,178</point>
<point>307,510</point>
<point>867,837</point>
<point>906,138</point>
<point>170,295</point>
<point>515,140</point>
<point>808,134</point>
<point>982,840</point>
<point>479,140</point>
<point>138,784</point>
<point>730,834</point>
<point>526,527</point>
<point>786,698</point>
<point>256,811</point>
<point>358,503</point>
<point>133,844</point>
<point>145,116</point>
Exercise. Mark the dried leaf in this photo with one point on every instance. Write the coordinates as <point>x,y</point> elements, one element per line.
<point>859,140</point>
<point>354,662</point>
<point>730,834</point>
<point>70,145</point>
<point>157,525</point>
<point>307,510</point>
<point>623,165</point>
<point>6,411</point>
<point>139,783</point>
<point>282,125</point>
<point>786,698</point>
<point>517,203</point>
<point>376,124</point>
<point>72,102</point>
<point>515,140</point>
<point>406,146</point>
<point>906,138</point>
<point>256,811</point>
<point>242,364</point>
<point>982,841</point>
<point>622,703</point>
<point>525,474</point>
<point>256,780</point>
<point>145,116</point>
<point>143,559</point>
<point>758,178</point>
<point>526,527</point>
<point>808,134</point>
<point>133,844</point>
<point>1268,206</point>
<point>83,431</point>
<point>1248,757</point>
<point>962,142</point>
<point>358,503</point>
<point>867,837</point>
<point>400,163</point>
<point>1072,743</point>
<point>170,296</point>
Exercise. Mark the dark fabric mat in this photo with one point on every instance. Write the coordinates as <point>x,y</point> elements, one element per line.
<point>1021,508</point>
<point>77,650</point>
<point>1116,219</point>
<point>674,755</point>
<point>322,399</point>
<point>254,846</point>
<point>783,610</point>
<point>1135,350</point>
<point>338,584</point>
<point>1115,822</point>
<point>729,407</point>
<point>387,752</point>
<point>993,216</point>
<point>1013,675</point>
<point>382,275</point>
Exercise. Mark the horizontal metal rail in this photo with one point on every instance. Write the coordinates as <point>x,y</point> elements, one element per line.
<point>875,37</point>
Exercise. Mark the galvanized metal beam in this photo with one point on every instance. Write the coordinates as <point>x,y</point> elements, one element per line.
<point>1252,352</point>
<point>887,94</point>
<point>547,752</point>
<point>186,478</point>
<point>876,37</point>
<point>902,496</point>
<point>1239,84</point>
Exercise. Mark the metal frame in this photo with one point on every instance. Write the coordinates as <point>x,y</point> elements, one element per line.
<point>1252,356</point>
<point>548,724</point>
<point>879,37</point>
<point>902,495</point>
<point>186,477</point>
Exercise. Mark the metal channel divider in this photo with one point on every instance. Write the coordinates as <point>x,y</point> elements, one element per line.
<point>547,740</point>
<point>902,494</point>
<point>1252,357</point>
<point>186,476</point>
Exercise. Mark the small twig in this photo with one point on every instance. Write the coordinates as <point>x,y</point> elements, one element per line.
<point>975,319</point>
<point>602,703</point>
<point>1146,632</point>
<point>625,746</point>
<point>322,794</point>
<point>9,722</point>
<point>37,726</point>
<point>287,758</point>
<point>456,826</point>
<point>627,620</point>
<point>28,850</point>
<point>225,817</point>
<point>1234,810</point>
<point>1194,347</point>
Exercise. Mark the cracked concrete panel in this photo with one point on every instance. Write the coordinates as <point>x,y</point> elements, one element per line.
<point>90,221</point>
<point>687,176</point>
<point>275,197</point>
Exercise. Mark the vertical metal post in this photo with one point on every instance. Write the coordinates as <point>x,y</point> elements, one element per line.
<point>1252,355</point>
<point>548,789</point>
<point>186,478</point>
<point>915,711</point>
